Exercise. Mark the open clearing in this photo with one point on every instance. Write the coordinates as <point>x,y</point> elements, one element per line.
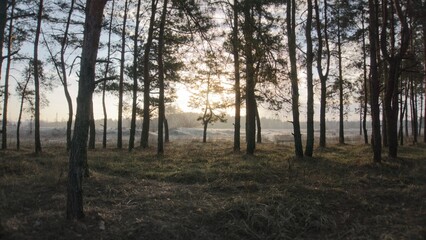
<point>204,191</point>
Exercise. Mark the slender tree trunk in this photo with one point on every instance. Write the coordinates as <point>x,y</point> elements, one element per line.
<point>64,44</point>
<point>341,109</point>
<point>413,111</point>
<point>166,131</point>
<point>424,85</point>
<point>250,81</point>
<point>374,82</point>
<point>365,86</point>
<point>86,86</point>
<point>37,82</point>
<point>291,31</point>
<point>6,79</point>
<point>146,79</point>
<point>21,107</point>
<point>104,109</point>
<point>258,126</point>
<point>205,125</point>
<point>3,19</point>
<point>121,81</point>
<point>310,85</point>
<point>323,76</point>
<point>235,52</point>
<point>161,107</point>
<point>135,79</point>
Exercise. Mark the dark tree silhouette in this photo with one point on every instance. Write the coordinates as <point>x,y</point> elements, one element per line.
<point>86,85</point>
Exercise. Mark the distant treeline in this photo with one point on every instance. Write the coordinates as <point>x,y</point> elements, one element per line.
<point>189,120</point>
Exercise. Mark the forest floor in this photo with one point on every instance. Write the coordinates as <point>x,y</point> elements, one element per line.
<point>205,191</point>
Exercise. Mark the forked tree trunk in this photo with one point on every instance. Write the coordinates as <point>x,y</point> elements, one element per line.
<point>323,76</point>
<point>291,31</point>
<point>86,86</point>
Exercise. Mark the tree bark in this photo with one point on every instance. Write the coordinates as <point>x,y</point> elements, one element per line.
<point>323,76</point>
<point>146,79</point>
<point>374,82</point>
<point>121,81</point>
<point>250,81</point>
<point>166,131</point>
<point>104,109</point>
<point>394,59</point>
<point>3,19</point>
<point>237,90</point>
<point>161,107</point>
<point>64,43</point>
<point>340,83</point>
<point>365,82</point>
<point>37,83</point>
<point>135,79</point>
<point>6,79</point>
<point>92,128</point>
<point>424,85</point>
<point>21,107</point>
<point>86,86</point>
<point>291,31</point>
<point>258,127</point>
<point>310,86</point>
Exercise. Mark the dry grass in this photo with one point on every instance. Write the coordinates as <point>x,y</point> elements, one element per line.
<point>204,191</point>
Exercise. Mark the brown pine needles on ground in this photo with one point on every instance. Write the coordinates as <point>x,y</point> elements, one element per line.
<point>204,191</point>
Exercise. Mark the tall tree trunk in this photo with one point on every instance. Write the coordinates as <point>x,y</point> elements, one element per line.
<point>6,79</point>
<point>291,31</point>
<point>374,82</point>
<point>365,82</point>
<point>86,86</point>
<point>64,44</point>
<point>237,90</point>
<point>323,76</point>
<point>424,73</point>
<point>3,19</point>
<point>121,81</point>
<point>250,81</point>
<point>310,85</point>
<point>161,107</point>
<point>104,109</point>
<point>146,78</point>
<point>340,83</point>
<point>394,58</point>
<point>135,80</point>
<point>413,101</point>
<point>37,82</point>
